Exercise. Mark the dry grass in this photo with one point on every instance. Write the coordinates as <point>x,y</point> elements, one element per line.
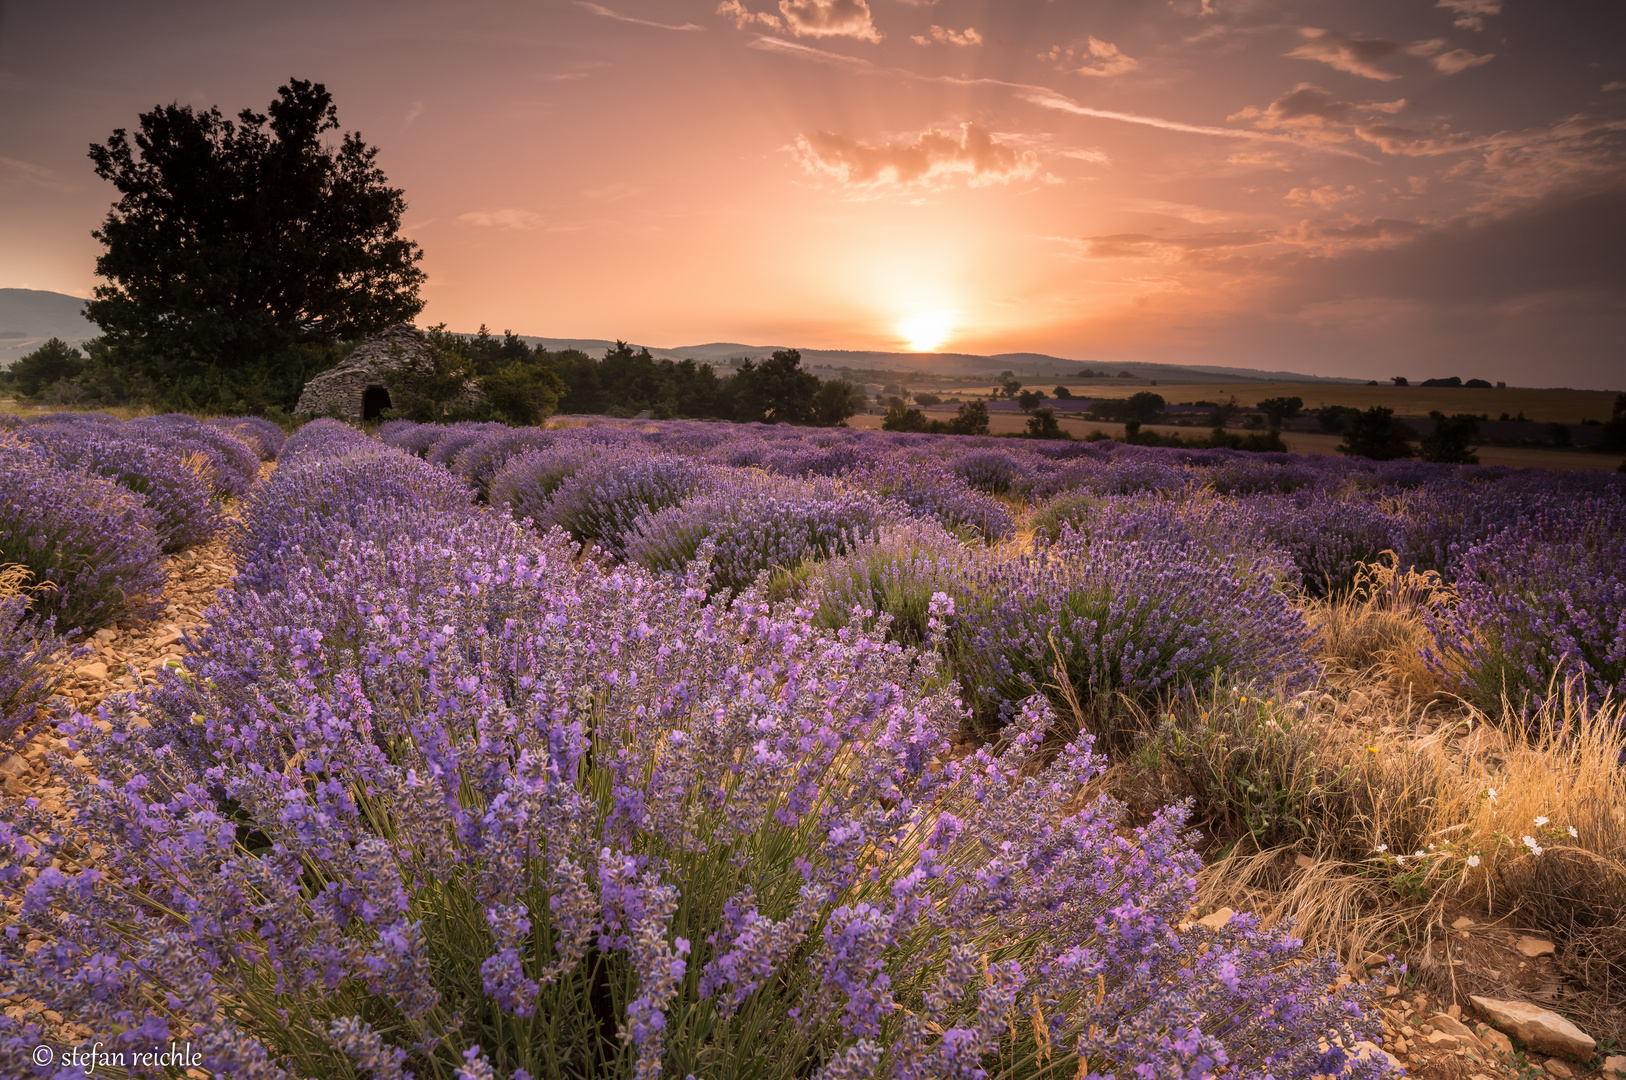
<point>1377,629</point>
<point>1441,807</point>
<point>14,579</point>
<point>13,407</point>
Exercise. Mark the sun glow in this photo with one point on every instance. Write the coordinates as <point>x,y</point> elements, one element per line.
<point>927,331</point>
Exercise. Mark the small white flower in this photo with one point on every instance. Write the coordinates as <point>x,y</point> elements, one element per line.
<point>1417,854</point>
<point>1400,859</point>
<point>1381,848</point>
<point>1431,847</point>
<point>1491,794</point>
<point>1573,832</point>
<point>1530,842</point>
<point>1473,860</point>
<point>1540,821</point>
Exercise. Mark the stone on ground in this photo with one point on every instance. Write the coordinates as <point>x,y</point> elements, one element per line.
<point>1538,1028</point>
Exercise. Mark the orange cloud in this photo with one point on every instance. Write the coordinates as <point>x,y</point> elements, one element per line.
<point>935,156</point>
<point>1471,13</point>
<point>944,36</point>
<point>1309,107</point>
<point>1106,59</point>
<point>1098,58</point>
<point>830,18</point>
<point>1357,56</point>
<point>505,218</point>
<point>743,18</point>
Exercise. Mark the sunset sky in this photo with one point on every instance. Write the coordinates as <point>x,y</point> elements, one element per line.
<point>1360,188</point>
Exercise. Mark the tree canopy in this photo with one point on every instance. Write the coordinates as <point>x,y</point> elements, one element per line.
<point>1278,409</point>
<point>232,242</point>
<point>1376,434</point>
<point>1448,442</point>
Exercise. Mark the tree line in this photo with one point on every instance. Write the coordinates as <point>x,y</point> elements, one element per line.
<point>524,385</point>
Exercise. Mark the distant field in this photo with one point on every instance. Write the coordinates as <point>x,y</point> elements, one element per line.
<point>1548,406</point>
<point>1299,442</point>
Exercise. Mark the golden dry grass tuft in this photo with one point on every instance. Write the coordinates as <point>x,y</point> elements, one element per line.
<point>14,580</point>
<point>1378,627</point>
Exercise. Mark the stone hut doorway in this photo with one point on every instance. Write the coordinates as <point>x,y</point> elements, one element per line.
<point>374,400</point>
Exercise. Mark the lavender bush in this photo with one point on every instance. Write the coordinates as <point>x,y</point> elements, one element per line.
<point>480,462</point>
<point>1136,618</point>
<point>233,466</point>
<point>411,436</point>
<point>755,522</point>
<point>1542,602</point>
<point>601,501</point>
<point>323,497</point>
<point>94,542</point>
<point>1328,538</point>
<point>166,478</point>
<point>28,648</point>
<point>324,436</point>
<point>930,490</point>
<point>256,432</point>
<point>527,482</point>
<point>888,584</point>
<point>535,818</point>
<point>461,436</point>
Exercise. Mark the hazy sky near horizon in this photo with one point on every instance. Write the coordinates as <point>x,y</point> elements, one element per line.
<point>1341,187</point>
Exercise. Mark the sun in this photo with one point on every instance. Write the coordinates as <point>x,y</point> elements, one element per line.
<point>925,332</point>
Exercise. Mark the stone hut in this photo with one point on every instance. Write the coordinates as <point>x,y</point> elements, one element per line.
<point>358,388</point>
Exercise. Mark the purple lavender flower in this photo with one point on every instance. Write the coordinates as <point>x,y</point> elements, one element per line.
<point>187,508</point>
<point>756,522</point>
<point>93,541</point>
<point>28,647</point>
<point>602,501</point>
<point>1541,603</point>
<point>259,434</point>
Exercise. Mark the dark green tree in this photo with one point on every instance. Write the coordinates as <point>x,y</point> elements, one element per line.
<point>1028,400</point>
<point>53,362</point>
<point>836,400</point>
<point>1042,425</point>
<point>1009,385</point>
<point>969,419</point>
<point>928,400</point>
<point>1063,393</point>
<point>1448,442</point>
<point>522,392</point>
<point>1278,409</point>
<point>1334,419</point>
<point>1399,380</point>
<point>776,390</point>
<point>232,242</point>
<point>1613,436</point>
<point>1144,407</point>
<point>1376,434</point>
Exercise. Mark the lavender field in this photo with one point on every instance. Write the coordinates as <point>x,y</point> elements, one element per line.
<point>708,750</point>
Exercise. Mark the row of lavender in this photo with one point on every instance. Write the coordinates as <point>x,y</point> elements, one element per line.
<point>1156,568</point>
<point>439,795</point>
<point>89,508</point>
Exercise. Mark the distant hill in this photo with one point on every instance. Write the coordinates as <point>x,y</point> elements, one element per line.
<point>1030,364</point>
<point>29,317</point>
